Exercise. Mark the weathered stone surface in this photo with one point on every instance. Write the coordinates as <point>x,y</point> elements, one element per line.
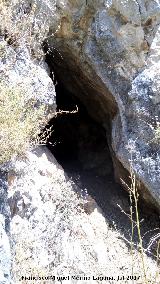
<point>57,229</point>
<point>107,53</point>
<point>139,133</point>
<point>5,254</point>
<point>109,58</point>
<point>19,70</point>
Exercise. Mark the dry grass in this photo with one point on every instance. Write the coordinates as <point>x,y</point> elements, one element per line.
<point>20,25</point>
<point>20,122</point>
<point>157,133</point>
<point>20,119</point>
<point>134,217</point>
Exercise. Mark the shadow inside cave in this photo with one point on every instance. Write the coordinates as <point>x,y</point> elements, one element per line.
<point>80,146</point>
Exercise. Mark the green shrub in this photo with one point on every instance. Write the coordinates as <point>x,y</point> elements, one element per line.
<point>20,122</point>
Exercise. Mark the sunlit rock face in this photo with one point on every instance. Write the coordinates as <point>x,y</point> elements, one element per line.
<point>107,53</point>
<point>57,229</point>
<point>19,70</point>
<point>22,72</point>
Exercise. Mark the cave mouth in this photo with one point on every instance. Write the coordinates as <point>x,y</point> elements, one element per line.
<point>77,140</point>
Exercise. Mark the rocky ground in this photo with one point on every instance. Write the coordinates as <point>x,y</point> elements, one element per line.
<point>69,223</point>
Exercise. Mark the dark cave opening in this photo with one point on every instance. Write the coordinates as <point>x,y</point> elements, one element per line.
<point>82,146</point>
<point>77,139</point>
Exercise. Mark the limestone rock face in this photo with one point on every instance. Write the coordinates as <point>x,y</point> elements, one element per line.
<point>5,265</point>
<point>5,253</point>
<point>18,69</point>
<point>107,53</point>
<point>57,229</point>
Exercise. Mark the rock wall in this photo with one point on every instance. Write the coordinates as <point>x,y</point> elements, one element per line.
<point>107,53</point>
<point>58,230</point>
<point>19,70</point>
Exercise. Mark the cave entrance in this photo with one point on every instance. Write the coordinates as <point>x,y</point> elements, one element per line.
<point>77,140</point>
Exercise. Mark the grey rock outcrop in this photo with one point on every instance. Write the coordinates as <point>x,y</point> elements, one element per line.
<point>107,53</point>
<point>18,69</point>
<point>109,58</point>
<point>5,253</point>
<point>56,231</point>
